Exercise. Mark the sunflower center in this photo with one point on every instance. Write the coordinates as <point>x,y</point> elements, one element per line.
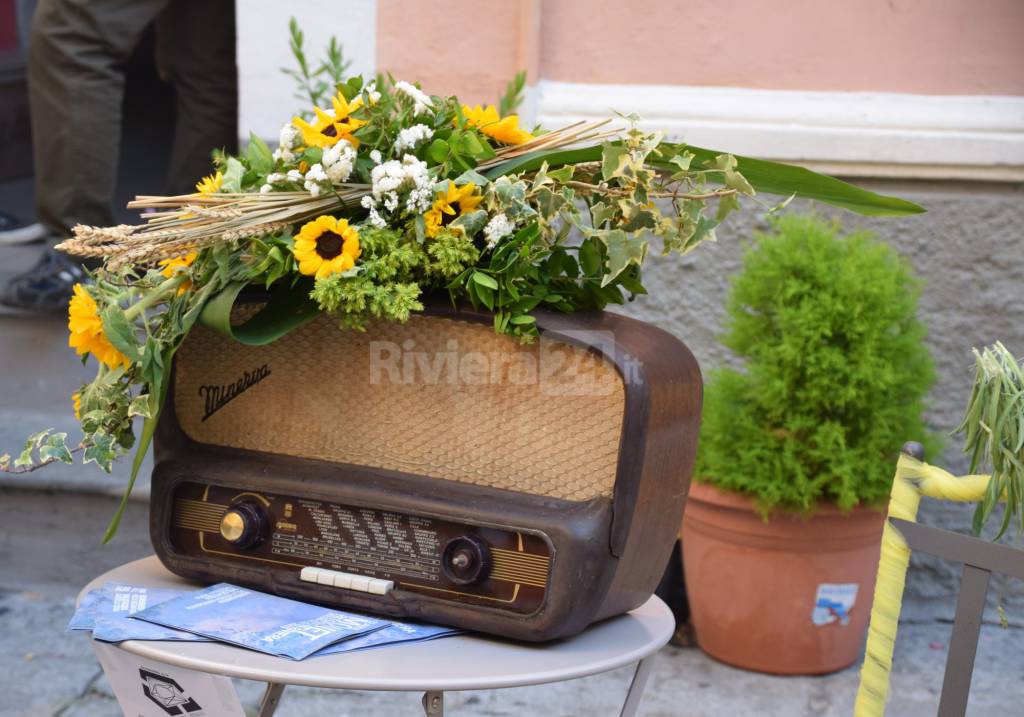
<point>329,131</point>
<point>328,245</point>
<point>446,218</point>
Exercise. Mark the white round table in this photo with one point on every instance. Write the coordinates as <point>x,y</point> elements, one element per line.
<point>466,662</point>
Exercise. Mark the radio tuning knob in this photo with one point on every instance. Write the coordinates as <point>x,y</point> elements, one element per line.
<point>242,525</point>
<point>466,560</point>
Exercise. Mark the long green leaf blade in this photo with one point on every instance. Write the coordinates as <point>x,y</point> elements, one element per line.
<point>767,177</point>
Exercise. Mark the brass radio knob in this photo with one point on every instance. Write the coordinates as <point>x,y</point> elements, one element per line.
<point>466,560</point>
<point>242,525</point>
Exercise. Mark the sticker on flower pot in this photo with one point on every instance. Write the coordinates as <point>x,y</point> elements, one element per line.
<point>833,603</point>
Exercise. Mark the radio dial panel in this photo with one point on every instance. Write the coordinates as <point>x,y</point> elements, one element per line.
<point>501,568</point>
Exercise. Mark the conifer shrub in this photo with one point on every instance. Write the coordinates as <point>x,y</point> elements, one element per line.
<point>834,374</point>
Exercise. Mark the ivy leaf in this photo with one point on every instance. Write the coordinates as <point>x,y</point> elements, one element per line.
<point>55,449</point>
<point>140,406</point>
<point>622,251</point>
<point>470,222</point>
<point>100,451</point>
<point>471,175</point>
<point>614,159</point>
<point>120,332</point>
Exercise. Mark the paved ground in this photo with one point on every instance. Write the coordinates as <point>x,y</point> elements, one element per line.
<point>49,548</point>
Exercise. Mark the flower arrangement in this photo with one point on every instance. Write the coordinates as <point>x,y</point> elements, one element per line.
<point>380,195</point>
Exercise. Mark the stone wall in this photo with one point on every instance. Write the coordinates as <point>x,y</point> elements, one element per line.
<point>969,249</point>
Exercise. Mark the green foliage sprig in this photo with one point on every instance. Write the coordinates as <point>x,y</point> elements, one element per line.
<point>835,371</point>
<point>993,428</point>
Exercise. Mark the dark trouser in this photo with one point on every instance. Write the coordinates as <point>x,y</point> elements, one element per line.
<point>77,50</point>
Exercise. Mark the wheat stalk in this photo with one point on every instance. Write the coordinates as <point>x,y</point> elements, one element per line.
<point>189,222</point>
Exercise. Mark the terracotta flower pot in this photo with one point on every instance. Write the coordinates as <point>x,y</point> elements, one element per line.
<point>776,597</point>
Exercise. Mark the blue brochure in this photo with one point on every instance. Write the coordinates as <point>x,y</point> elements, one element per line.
<point>267,623</point>
<point>395,633</point>
<point>107,612</point>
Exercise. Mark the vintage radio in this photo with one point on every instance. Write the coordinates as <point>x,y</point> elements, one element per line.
<point>432,470</point>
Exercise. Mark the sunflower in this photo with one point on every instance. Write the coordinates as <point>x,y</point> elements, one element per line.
<point>210,184</point>
<point>329,129</point>
<point>76,403</point>
<point>86,329</point>
<point>170,266</point>
<point>504,129</point>
<point>326,246</point>
<point>450,204</point>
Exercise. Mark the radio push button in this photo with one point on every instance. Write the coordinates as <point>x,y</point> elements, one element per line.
<point>347,581</point>
<point>243,525</point>
<point>466,560</point>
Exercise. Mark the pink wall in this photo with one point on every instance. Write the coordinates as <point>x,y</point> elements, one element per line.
<point>472,47</point>
<point>469,48</point>
<point>914,46</point>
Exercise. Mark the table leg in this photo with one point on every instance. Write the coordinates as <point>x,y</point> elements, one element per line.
<point>271,699</point>
<point>433,703</point>
<point>636,687</point>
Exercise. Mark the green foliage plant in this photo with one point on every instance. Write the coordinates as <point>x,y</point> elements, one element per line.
<point>834,375</point>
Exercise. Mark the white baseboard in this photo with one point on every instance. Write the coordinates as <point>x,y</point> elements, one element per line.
<point>857,133</point>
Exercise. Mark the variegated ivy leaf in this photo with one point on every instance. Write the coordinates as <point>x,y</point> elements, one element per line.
<point>140,406</point>
<point>614,160</point>
<point>100,451</point>
<point>55,449</point>
<point>622,251</point>
<point>731,177</point>
<point>471,222</point>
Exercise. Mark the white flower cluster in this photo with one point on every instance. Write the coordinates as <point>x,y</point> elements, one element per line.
<point>421,102</point>
<point>497,228</point>
<point>339,161</point>
<point>371,91</point>
<point>315,178</point>
<point>273,178</point>
<point>392,178</point>
<point>288,141</point>
<point>409,137</point>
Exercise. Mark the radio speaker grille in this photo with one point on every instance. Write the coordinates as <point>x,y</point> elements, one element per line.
<point>435,396</point>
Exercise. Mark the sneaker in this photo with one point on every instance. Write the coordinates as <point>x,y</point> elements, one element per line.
<point>13,231</point>
<point>47,286</point>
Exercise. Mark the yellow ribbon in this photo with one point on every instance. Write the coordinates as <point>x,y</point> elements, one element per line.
<point>913,480</point>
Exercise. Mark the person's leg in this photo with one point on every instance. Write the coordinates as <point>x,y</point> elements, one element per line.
<point>195,42</point>
<point>76,86</point>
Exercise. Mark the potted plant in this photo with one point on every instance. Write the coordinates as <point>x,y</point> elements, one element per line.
<point>782,528</point>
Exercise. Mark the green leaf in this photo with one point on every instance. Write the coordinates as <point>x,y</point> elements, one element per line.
<point>121,332</point>
<point>522,320</point>
<point>148,428</point>
<point>100,451</point>
<point>470,222</point>
<point>471,176</point>
<point>614,158</point>
<point>764,176</point>
<point>233,176</point>
<point>590,257</point>
<point>25,457</point>
<point>260,157</point>
<point>485,280</point>
<point>286,308</point>
<point>622,251</point>
<point>438,151</point>
<point>55,448</point>
<point>140,406</point>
